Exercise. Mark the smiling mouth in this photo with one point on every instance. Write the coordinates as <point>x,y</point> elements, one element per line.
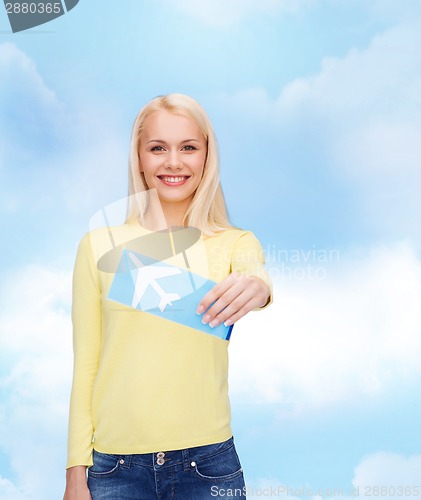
<point>174,180</point>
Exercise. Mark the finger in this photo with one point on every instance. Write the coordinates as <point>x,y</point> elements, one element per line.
<point>213,294</point>
<point>239,314</point>
<point>230,311</point>
<point>227,304</point>
<point>249,299</point>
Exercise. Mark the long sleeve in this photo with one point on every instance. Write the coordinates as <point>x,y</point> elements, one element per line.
<point>116,348</point>
<point>248,257</point>
<point>86,317</point>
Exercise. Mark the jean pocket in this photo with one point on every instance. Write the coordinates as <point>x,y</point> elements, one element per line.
<point>224,466</point>
<point>104,464</point>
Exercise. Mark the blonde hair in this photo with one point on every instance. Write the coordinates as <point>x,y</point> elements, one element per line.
<point>207,210</point>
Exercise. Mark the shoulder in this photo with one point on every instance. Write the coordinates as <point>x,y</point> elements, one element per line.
<point>98,242</point>
<point>235,243</point>
<point>240,238</point>
<point>233,234</point>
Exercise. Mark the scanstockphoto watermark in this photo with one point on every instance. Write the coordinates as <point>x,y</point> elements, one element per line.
<point>300,264</point>
<point>24,15</point>
<point>280,491</point>
<point>375,490</point>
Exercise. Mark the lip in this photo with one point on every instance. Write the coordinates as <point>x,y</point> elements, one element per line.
<point>180,183</point>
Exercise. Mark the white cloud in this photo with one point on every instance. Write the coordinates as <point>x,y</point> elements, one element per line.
<point>270,487</point>
<point>71,155</point>
<point>36,350</point>
<point>225,13</point>
<point>324,341</point>
<point>96,172</point>
<point>29,110</point>
<point>351,331</point>
<point>391,10</point>
<point>397,474</point>
<point>367,110</point>
<point>15,63</point>
<point>378,82</point>
<point>380,475</point>
<point>8,491</point>
<point>361,116</point>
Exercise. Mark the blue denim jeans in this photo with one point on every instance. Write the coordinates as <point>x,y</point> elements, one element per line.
<point>202,472</point>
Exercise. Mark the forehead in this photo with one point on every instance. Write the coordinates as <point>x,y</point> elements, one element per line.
<point>164,125</point>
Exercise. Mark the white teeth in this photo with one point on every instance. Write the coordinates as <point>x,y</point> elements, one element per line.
<point>173,179</point>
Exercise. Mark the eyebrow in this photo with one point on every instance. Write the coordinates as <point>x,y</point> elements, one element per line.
<point>182,142</point>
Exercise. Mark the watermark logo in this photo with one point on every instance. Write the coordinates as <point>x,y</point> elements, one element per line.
<point>24,15</point>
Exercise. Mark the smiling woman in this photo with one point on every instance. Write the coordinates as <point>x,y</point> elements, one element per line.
<point>172,155</point>
<point>149,414</point>
<point>207,210</point>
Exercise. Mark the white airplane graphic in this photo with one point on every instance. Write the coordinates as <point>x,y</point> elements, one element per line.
<point>147,276</point>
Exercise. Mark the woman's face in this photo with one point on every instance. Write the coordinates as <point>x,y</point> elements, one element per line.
<point>172,156</point>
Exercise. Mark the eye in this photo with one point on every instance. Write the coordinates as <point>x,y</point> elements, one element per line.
<point>189,147</point>
<point>157,148</point>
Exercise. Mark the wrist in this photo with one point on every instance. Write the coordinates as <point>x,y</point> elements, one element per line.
<point>76,474</point>
<point>267,291</point>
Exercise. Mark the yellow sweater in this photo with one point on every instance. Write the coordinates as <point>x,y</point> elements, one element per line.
<point>143,383</point>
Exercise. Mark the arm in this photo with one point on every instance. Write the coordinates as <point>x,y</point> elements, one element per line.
<point>76,486</point>
<point>247,288</point>
<point>86,318</point>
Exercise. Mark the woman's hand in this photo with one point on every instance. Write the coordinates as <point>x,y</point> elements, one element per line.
<point>76,485</point>
<point>232,298</point>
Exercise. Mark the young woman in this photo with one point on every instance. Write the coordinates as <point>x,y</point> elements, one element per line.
<point>149,412</point>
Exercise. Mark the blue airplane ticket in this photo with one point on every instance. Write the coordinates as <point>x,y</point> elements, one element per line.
<point>162,289</point>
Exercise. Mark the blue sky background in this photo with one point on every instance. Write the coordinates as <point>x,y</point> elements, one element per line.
<point>316,104</point>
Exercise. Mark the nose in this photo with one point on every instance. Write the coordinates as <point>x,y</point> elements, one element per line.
<point>173,160</point>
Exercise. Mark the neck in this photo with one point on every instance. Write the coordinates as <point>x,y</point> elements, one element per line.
<point>174,216</point>
<point>164,215</point>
